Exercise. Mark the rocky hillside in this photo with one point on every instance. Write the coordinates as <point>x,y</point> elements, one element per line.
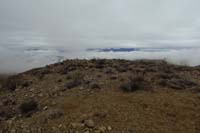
<point>102,96</point>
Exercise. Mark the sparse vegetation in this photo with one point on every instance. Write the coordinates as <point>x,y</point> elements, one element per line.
<point>99,63</point>
<point>133,84</point>
<point>122,69</point>
<point>90,96</point>
<point>73,83</point>
<point>76,79</point>
<point>94,86</point>
<point>28,107</point>
<point>40,73</point>
<point>12,83</point>
<point>180,83</point>
<point>3,81</point>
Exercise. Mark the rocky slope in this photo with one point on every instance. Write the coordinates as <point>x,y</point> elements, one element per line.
<point>97,96</point>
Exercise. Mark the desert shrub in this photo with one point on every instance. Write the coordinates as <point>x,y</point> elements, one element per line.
<point>73,84</point>
<point>68,77</point>
<point>6,112</point>
<point>3,80</point>
<point>26,83</point>
<point>177,83</point>
<point>182,68</point>
<point>40,72</point>
<point>59,80</point>
<point>28,107</point>
<point>8,101</point>
<point>134,84</point>
<point>113,77</point>
<point>64,70</point>
<point>163,75</point>
<point>181,83</point>
<point>72,66</point>
<point>94,86</point>
<point>77,75</point>
<point>11,83</point>
<point>166,76</point>
<point>109,71</point>
<point>122,69</point>
<point>99,63</point>
<point>99,75</point>
<point>162,82</point>
<point>150,69</point>
<point>76,79</point>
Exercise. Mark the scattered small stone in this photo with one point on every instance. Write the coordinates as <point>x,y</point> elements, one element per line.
<point>19,116</point>
<point>109,128</point>
<point>8,101</point>
<point>54,114</point>
<point>26,131</point>
<point>81,88</point>
<point>97,131</point>
<point>60,126</point>
<point>40,130</point>
<point>40,95</point>
<point>26,84</point>
<point>87,132</point>
<point>13,131</point>
<point>17,90</point>
<point>53,128</point>
<point>83,117</point>
<point>34,130</point>
<point>77,125</point>
<point>9,122</point>
<point>42,120</point>
<point>24,126</point>
<point>89,123</point>
<point>45,108</point>
<point>102,129</point>
<point>32,89</point>
<point>53,103</point>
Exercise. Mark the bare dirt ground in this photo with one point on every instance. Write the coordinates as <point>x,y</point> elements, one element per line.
<point>100,96</point>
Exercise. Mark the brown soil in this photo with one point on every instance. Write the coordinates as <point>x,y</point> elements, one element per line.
<point>164,98</point>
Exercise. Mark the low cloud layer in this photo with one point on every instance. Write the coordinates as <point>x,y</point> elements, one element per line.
<point>26,59</point>
<point>34,33</point>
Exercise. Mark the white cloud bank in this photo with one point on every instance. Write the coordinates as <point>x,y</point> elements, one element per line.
<point>65,28</point>
<point>24,60</point>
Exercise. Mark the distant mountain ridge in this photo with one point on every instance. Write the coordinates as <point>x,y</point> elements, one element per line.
<point>134,49</point>
<point>114,49</point>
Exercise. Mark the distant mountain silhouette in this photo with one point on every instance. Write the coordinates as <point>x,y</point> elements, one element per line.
<point>136,49</point>
<point>114,49</point>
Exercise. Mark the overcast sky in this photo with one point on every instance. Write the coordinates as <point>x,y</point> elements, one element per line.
<point>61,27</point>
